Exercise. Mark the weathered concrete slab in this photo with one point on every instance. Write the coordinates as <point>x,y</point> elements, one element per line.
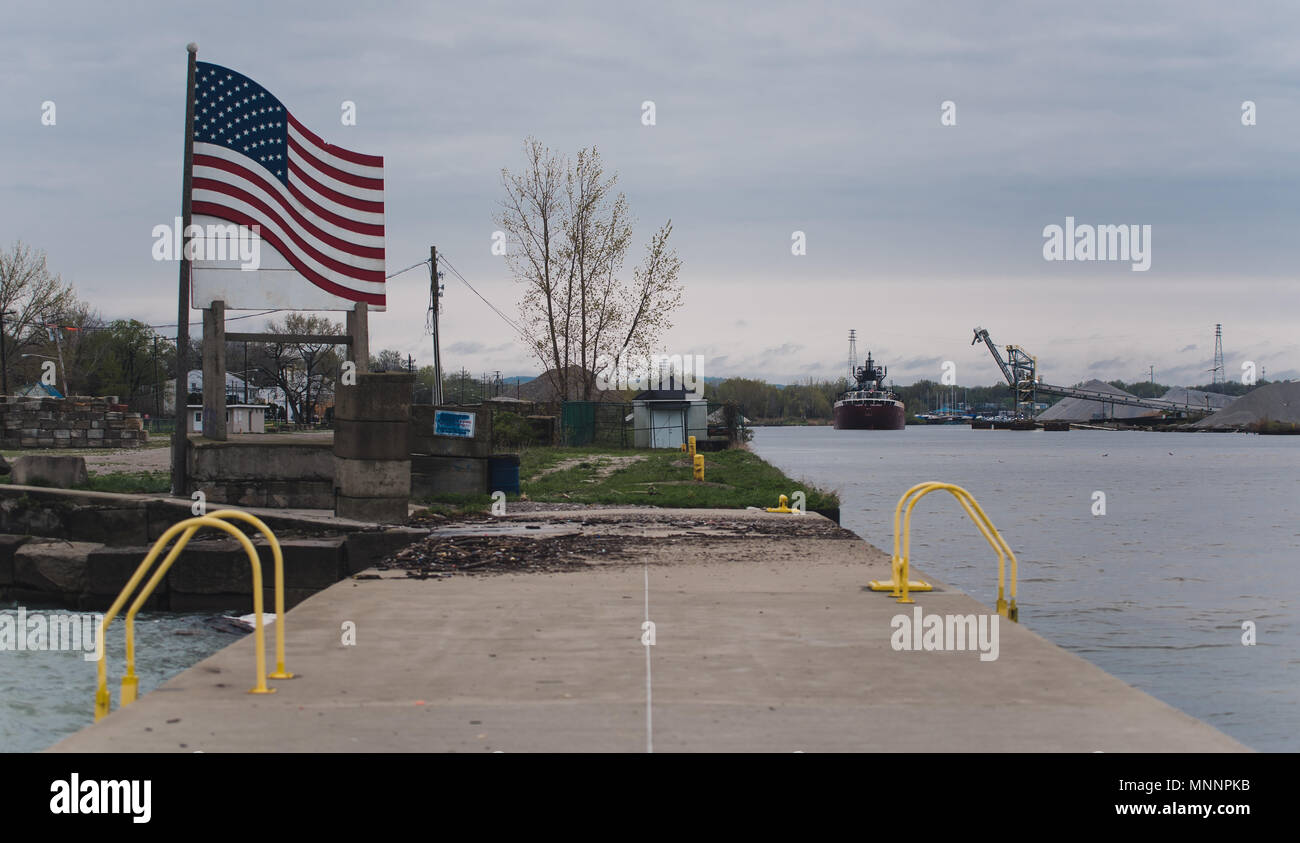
<point>8,546</point>
<point>109,568</point>
<point>431,475</point>
<point>763,644</point>
<point>377,396</point>
<point>222,567</point>
<point>52,566</point>
<point>115,525</point>
<point>372,440</point>
<point>423,440</point>
<point>393,510</point>
<point>60,471</point>
<point>311,494</point>
<point>107,571</point>
<point>57,513</point>
<point>373,478</point>
<point>364,549</point>
<point>261,458</point>
<point>310,564</point>
<point>241,603</point>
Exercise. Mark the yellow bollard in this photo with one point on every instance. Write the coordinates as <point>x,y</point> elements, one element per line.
<point>782,505</point>
<point>690,446</point>
<point>699,463</point>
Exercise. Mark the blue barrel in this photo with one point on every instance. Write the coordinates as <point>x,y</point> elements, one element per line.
<point>503,473</point>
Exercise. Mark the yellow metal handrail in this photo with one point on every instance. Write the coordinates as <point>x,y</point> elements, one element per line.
<point>901,587</point>
<point>103,699</point>
<point>130,680</point>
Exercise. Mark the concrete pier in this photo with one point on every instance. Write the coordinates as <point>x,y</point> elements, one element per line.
<point>765,641</point>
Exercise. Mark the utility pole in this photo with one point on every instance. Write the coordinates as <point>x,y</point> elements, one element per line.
<point>157,410</point>
<point>180,437</point>
<point>435,295</point>
<point>245,371</point>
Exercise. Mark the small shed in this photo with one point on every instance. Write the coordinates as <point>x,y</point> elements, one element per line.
<point>240,418</point>
<point>664,418</point>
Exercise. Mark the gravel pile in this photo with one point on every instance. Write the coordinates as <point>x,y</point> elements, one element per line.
<point>1198,399</point>
<point>1274,402</point>
<point>1084,410</point>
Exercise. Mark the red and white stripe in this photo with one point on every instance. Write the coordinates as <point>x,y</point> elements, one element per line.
<point>328,223</point>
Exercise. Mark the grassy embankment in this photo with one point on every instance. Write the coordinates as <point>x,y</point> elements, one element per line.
<point>733,479</point>
<point>144,482</point>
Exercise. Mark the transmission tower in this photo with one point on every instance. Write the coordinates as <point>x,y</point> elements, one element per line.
<point>1220,373</point>
<point>853,354</point>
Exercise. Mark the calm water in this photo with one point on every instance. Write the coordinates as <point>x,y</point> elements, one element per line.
<point>47,695</point>
<point>1201,533</point>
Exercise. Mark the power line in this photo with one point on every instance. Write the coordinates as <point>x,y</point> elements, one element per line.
<point>443,259</point>
<point>408,269</point>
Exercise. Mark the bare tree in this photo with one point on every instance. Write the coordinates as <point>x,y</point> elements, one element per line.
<point>532,215</point>
<point>302,370</point>
<point>29,297</point>
<point>573,232</point>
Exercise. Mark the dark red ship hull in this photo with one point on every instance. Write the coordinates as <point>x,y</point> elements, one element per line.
<point>869,417</point>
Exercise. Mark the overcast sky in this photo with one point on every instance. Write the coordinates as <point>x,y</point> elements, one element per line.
<point>771,118</point>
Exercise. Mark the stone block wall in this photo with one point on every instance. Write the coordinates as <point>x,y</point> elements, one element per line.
<point>74,422</point>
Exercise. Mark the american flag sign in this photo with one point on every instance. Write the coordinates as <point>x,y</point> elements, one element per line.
<point>319,207</point>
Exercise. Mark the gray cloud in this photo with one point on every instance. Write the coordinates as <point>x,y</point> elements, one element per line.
<point>825,121</point>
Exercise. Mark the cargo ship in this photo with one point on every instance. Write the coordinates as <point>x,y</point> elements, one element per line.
<point>869,405</point>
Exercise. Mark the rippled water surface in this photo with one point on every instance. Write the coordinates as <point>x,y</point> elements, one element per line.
<point>46,695</point>
<point>1201,533</point>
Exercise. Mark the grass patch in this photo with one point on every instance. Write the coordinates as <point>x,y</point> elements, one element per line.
<point>536,459</point>
<point>450,505</point>
<point>732,479</point>
<point>129,482</point>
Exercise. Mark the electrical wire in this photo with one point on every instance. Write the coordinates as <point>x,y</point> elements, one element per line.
<point>497,311</point>
<point>408,269</point>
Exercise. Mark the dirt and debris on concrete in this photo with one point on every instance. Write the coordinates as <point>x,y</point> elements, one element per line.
<point>442,556</point>
<point>564,540</point>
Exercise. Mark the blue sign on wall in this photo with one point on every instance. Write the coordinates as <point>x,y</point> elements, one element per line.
<point>450,423</point>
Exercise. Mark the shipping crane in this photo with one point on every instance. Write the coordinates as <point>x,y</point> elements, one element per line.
<point>1021,372</point>
<point>1020,369</point>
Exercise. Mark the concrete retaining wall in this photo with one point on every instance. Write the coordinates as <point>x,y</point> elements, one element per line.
<point>212,574</point>
<point>270,470</point>
<point>448,476</point>
<point>372,466</point>
<point>449,464</point>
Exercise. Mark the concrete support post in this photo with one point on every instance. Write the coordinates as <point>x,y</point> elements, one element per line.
<point>358,326</point>
<point>214,371</point>
<point>372,458</point>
